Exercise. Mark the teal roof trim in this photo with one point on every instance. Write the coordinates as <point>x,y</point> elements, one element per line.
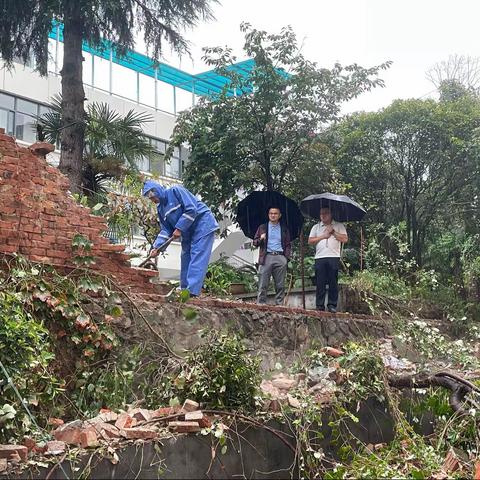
<point>203,84</point>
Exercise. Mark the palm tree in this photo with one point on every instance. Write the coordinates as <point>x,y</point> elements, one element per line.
<point>113,144</point>
<point>24,29</point>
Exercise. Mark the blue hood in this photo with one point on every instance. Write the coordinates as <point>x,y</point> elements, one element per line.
<point>158,189</point>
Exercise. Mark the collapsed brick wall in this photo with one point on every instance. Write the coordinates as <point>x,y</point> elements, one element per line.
<point>39,217</point>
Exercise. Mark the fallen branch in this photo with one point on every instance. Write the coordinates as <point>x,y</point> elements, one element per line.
<point>458,386</point>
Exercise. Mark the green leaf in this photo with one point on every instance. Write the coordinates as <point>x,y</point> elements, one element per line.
<point>184,296</point>
<point>190,313</point>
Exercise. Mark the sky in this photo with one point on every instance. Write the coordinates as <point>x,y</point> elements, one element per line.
<point>413,34</point>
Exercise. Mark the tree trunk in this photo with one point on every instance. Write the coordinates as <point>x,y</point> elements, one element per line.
<point>73,97</point>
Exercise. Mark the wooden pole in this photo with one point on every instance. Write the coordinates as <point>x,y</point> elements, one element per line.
<point>302,267</point>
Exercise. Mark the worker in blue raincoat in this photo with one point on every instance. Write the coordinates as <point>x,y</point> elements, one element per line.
<point>182,215</point>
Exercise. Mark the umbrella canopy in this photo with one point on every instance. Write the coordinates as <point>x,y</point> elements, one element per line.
<point>252,211</point>
<point>343,208</point>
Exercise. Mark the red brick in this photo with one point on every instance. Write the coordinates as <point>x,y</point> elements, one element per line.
<point>107,431</point>
<point>199,417</point>
<point>165,411</point>
<point>190,405</point>
<point>8,248</point>
<point>125,421</point>
<point>55,447</point>
<point>37,251</point>
<point>56,422</point>
<point>142,433</point>
<point>333,352</point>
<point>29,443</point>
<point>88,438</point>
<point>59,254</point>
<point>141,414</point>
<point>184,427</point>
<point>69,433</point>
<point>7,451</point>
<point>106,415</point>
<point>110,247</point>
<point>36,258</point>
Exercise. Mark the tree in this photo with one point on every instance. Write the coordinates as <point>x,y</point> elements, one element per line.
<point>113,144</point>
<point>260,136</point>
<point>24,32</point>
<point>456,77</point>
<point>415,161</point>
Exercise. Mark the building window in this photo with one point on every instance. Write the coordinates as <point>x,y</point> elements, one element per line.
<point>18,117</point>
<point>25,128</point>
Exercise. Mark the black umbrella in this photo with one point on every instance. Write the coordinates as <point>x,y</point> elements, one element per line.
<point>343,208</point>
<point>252,211</point>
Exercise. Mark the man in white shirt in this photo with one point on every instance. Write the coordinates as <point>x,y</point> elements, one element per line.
<point>327,236</point>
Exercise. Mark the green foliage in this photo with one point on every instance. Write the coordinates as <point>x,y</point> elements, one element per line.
<point>220,275</point>
<point>219,373</point>
<point>129,214</point>
<point>82,248</point>
<point>431,343</point>
<point>28,24</point>
<point>364,372</point>
<point>407,458</point>
<point>110,386</point>
<point>113,143</point>
<point>262,137</point>
<point>25,353</point>
<point>37,306</point>
<point>416,162</point>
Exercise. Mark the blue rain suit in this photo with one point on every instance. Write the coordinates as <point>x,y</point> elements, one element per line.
<point>180,209</point>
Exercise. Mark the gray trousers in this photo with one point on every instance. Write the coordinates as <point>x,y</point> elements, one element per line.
<point>275,265</point>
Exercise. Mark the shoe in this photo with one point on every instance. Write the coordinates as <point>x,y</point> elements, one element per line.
<point>332,310</point>
<point>320,309</point>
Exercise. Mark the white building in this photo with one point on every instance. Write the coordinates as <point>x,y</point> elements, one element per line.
<point>131,83</point>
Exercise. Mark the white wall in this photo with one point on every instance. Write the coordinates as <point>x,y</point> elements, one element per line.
<point>25,82</point>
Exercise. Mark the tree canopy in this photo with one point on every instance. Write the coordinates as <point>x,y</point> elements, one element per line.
<point>416,161</point>
<point>24,32</point>
<point>262,135</point>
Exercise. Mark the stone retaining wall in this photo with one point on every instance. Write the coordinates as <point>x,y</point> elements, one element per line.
<point>277,334</point>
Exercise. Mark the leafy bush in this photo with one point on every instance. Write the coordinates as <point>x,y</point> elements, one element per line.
<point>111,386</point>
<point>380,283</point>
<point>25,353</point>
<point>220,275</point>
<point>219,373</point>
<point>431,343</point>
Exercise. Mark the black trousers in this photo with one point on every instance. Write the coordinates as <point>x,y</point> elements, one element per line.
<point>326,273</point>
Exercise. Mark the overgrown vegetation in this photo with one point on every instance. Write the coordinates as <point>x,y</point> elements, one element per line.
<point>221,275</point>
<point>362,377</point>
<point>49,335</point>
<point>219,373</point>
